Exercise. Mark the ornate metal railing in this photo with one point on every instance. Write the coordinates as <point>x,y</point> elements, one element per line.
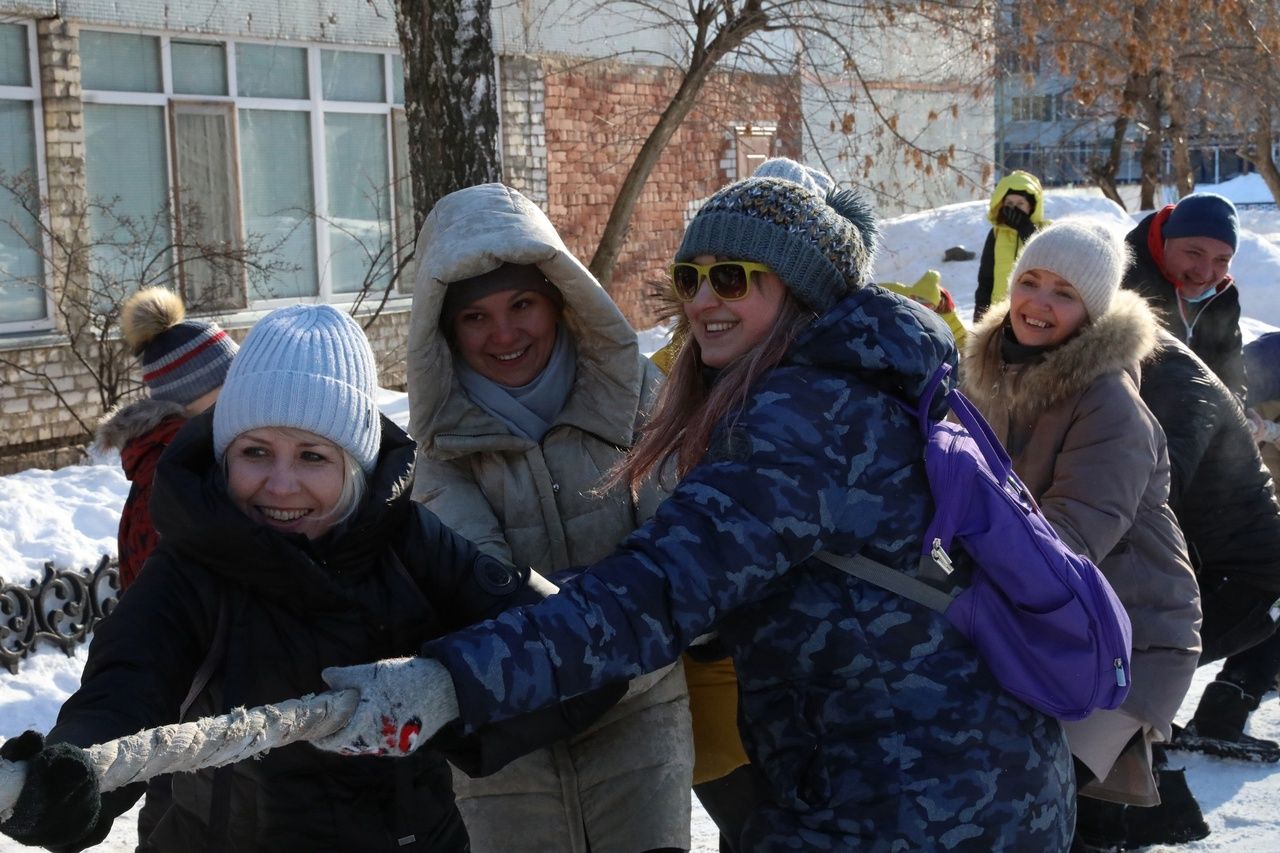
<point>61,608</point>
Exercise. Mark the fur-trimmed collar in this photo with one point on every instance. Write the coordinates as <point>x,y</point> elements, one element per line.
<point>130,420</point>
<point>1118,341</point>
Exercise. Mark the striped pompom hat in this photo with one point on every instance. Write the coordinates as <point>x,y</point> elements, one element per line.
<point>182,360</point>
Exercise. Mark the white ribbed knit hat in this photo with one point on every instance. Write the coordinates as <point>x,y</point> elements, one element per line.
<point>1090,255</point>
<point>307,367</point>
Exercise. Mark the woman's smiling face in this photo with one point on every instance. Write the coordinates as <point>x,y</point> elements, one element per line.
<point>1045,309</point>
<point>726,330</point>
<point>507,336</point>
<point>288,479</point>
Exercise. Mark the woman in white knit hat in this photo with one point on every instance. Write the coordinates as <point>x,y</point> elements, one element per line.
<point>288,543</point>
<point>1055,369</point>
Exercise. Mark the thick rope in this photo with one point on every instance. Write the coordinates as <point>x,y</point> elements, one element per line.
<point>209,742</point>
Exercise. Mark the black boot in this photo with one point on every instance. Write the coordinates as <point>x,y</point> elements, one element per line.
<point>1099,826</point>
<point>1176,820</point>
<point>1103,826</point>
<point>1218,726</point>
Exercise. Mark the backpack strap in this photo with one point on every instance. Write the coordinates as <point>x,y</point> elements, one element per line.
<point>969,417</point>
<point>213,659</point>
<point>922,406</point>
<point>875,572</point>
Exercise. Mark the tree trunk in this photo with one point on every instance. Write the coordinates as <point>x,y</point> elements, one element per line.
<point>1260,153</point>
<point>1184,179</point>
<point>451,97</point>
<point>703,59</point>
<point>1150,157</point>
<point>1104,173</point>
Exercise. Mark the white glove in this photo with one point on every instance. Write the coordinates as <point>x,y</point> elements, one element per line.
<point>403,702</point>
<point>1263,430</point>
<point>1270,432</point>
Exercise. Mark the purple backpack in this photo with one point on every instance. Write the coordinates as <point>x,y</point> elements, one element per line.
<point>1043,618</point>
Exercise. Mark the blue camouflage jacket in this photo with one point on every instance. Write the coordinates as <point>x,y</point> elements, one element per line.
<point>873,721</point>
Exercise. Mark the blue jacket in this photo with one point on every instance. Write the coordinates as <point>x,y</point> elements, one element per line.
<point>1262,366</point>
<point>874,722</point>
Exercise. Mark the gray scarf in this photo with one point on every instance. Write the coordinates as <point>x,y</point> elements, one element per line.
<point>531,409</point>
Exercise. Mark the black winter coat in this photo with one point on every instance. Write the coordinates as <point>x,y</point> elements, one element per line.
<point>378,586</point>
<point>1214,334</point>
<point>1220,490</point>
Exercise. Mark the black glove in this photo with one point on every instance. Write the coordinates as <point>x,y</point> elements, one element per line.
<point>497,744</point>
<point>1019,220</point>
<point>59,803</point>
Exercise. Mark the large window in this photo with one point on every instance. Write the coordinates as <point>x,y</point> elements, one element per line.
<point>126,177</point>
<point>24,304</point>
<point>285,152</point>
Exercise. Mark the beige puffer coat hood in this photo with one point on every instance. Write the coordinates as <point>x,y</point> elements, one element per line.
<point>626,780</point>
<point>472,232</point>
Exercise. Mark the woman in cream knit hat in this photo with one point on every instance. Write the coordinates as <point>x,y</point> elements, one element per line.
<point>1055,370</point>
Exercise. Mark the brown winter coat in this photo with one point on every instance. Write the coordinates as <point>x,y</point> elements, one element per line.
<point>627,779</point>
<point>1094,457</point>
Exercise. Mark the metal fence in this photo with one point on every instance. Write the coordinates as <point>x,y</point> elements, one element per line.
<point>60,608</point>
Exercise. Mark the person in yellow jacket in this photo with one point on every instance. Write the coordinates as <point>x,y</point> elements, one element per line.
<point>930,293</point>
<point>1016,212</point>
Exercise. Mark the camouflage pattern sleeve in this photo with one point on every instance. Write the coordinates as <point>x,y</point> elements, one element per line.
<point>800,471</point>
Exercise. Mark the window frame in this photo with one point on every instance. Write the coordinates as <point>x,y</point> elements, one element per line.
<point>315,107</point>
<point>33,94</point>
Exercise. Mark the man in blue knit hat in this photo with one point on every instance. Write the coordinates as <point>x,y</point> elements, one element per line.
<point>1181,259</point>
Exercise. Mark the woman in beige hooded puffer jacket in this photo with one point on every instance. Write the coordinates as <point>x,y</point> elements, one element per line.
<point>1055,370</point>
<point>622,786</point>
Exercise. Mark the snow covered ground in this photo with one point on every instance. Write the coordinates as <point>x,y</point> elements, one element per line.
<point>69,517</point>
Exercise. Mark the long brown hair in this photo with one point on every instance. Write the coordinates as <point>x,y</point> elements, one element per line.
<point>688,409</point>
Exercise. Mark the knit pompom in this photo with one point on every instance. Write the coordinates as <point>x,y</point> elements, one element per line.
<point>855,208</point>
<point>147,313</point>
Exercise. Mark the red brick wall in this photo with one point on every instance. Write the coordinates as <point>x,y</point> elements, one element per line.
<point>596,118</point>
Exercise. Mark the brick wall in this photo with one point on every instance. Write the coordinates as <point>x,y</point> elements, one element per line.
<point>58,43</point>
<point>36,423</point>
<point>596,117</point>
<point>34,419</point>
<point>524,134</point>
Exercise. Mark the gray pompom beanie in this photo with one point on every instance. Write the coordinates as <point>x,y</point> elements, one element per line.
<point>820,248</point>
<point>1090,255</point>
<point>307,367</point>
<point>783,167</point>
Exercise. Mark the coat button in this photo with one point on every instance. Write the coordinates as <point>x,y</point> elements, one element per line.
<point>494,576</point>
<point>555,488</point>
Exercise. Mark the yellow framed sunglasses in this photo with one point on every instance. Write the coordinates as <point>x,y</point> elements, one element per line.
<point>729,280</point>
